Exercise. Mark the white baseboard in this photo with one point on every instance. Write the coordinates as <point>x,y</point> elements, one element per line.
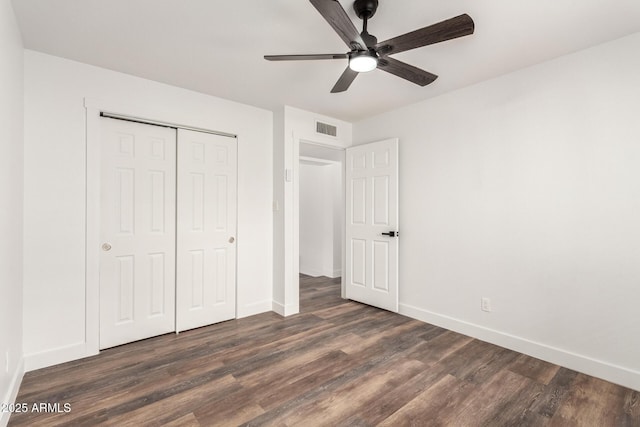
<point>285,311</point>
<point>12,392</point>
<point>56,356</point>
<point>310,271</point>
<point>277,307</point>
<point>254,308</point>
<point>77,351</point>
<point>317,273</point>
<point>597,368</point>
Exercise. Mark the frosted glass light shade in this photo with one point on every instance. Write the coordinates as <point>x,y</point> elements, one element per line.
<point>363,62</point>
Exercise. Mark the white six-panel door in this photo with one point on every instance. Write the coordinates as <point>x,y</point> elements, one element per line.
<point>206,248</point>
<point>137,261</point>
<point>372,209</point>
<point>168,226</point>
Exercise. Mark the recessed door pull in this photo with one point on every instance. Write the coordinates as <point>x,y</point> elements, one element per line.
<point>392,234</point>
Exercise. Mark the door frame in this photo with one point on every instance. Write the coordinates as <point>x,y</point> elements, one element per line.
<point>93,109</point>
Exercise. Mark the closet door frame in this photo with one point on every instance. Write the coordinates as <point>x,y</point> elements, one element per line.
<point>93,108</point>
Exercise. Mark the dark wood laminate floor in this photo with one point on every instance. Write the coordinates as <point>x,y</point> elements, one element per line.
<point>337,363</point>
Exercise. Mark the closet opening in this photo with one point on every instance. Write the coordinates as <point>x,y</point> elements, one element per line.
<point>165,226</point>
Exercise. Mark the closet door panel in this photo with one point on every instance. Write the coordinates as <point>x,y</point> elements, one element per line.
<point>137,231</point>
<point>206,229</point>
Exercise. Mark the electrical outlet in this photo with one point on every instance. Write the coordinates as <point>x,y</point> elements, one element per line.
<point>485,304</point>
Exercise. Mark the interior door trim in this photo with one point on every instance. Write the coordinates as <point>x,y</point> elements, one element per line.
<point>89,344</point>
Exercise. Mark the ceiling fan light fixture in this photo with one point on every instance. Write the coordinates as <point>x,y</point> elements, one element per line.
<point>363,61</point>
<point>366,53</point>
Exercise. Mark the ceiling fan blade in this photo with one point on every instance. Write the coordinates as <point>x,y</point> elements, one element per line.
<point>345,80</point>
<point>336,16</point>
<point>305,57</point>
<point>406,71</point>
<point>452,28</point>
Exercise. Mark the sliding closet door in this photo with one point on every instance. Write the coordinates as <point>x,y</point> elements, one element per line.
<point>206,229</point>
<point>137,261</point>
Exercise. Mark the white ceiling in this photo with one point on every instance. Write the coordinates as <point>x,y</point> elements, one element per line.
<point>217,47</point>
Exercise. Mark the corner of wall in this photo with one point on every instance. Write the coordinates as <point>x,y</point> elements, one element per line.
<point>12,212</point>
<point>55,356</point>
<point>255,308</point>
<point>285,310</point>
<point>278,206</point>
<point>12,391</point>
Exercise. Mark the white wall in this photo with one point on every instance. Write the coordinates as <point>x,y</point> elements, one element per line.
<point>526,189</point>
<point>320,218</point>
<point>11,188</point>
<point>55,180</point>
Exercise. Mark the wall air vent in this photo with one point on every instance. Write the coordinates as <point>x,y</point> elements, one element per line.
<point>326,129</point>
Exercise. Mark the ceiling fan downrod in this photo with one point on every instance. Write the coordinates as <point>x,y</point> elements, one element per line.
<point>365,9</point>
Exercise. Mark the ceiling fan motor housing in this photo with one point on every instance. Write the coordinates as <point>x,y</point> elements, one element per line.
<point>365,9</point>
<point>369,39</point>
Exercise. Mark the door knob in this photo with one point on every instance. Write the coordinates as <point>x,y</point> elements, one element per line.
<point>392,234</point>
<point>232,239</point>
<point>106,247</point>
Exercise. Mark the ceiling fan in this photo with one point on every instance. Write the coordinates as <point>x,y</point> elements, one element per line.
<point>367,53</point>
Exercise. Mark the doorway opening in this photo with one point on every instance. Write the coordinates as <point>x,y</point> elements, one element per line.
<point>321,212</point>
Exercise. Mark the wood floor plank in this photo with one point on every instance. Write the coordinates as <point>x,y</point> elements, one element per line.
<point>337,310</point>
<point>555,393</point>
<point>436,349</point>
<point>632,405</point>
<point>431,332</point>
<point>359,343</point>
<point>339,404</point>
<point>377,410</point>
<point>357,367</point>
<point>297,381</point>
<point>308,382</point>
<point>592,401</point>
<point>477,361</point>
<point>303,357</point>
<point>188,420</point>
<point>488,402</point>
<point>444,397</point>
<point>161,411</point>
<point>536,369</point>
<point>338,363</point>
<point>518,410</point>
<point>232,417</point>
